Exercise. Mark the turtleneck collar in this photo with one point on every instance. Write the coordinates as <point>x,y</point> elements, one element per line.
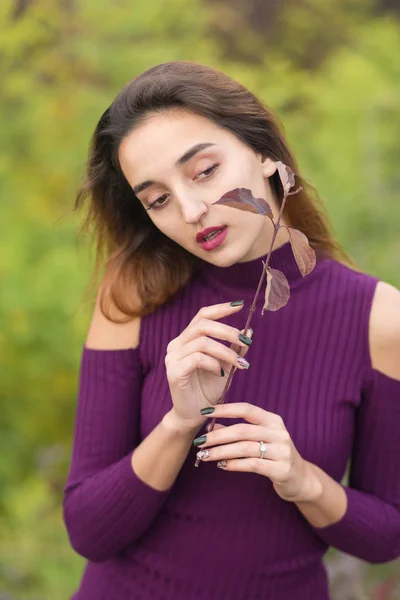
<point>244,276</point>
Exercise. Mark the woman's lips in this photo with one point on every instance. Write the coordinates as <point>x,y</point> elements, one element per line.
<point>200,236</point>
<point>215,241</point>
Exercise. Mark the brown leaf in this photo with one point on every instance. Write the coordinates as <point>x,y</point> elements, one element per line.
<point>243,199</point>
<point>277,291</point>
<point>286,176</point>
<point>302,251</point>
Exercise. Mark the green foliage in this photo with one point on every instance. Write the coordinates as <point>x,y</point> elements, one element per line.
<point>61,67</point>
<point>35,557</point>
<point>350,118</point>
<point>61,64</point>
<point>306,32</point>
<point>343,123</point>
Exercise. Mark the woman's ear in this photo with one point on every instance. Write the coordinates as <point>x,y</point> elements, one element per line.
<point>268,166</point>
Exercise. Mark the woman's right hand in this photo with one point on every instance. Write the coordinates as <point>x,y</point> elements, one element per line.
<point>194,359</point>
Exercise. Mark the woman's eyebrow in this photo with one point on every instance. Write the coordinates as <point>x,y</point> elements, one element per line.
<point>191,152</point>
<point>181,161</point>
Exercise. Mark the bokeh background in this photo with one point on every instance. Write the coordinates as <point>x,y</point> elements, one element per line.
<point>331,71</point>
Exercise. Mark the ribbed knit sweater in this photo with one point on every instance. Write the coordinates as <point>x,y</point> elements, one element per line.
<point>217,535</point>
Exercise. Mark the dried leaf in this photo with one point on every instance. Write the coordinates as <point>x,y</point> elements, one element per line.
<point>286,176</point>
<point>243,199</point>
<point>302,251</point>
<point>277,291</point>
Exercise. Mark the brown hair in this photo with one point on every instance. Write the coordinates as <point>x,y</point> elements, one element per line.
<point>143,267</point>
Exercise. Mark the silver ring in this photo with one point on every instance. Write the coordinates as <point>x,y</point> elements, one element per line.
<point>263,449</point>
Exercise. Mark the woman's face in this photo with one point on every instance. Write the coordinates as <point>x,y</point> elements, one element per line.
<point>181,189</point>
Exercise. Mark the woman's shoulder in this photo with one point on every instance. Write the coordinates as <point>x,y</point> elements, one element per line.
<point>113,330</point>
<point>380,301</point>
<point>384,330</point>
<point>375,306</point>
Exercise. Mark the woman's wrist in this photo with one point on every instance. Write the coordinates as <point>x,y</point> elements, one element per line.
<point>326,501</point>
<point>312,485</point>
<point>158,459</point>
<point>177,426</point>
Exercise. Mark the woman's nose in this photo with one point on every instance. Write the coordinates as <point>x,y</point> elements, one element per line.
<point>193,209</point>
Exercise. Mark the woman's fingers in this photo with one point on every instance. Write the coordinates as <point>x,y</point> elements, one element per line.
<point>203,335</point>
<point>206,323</point>
<point>216,311</point>
<point>240,349</point>
<point>243,349</point>
<point>274,470</point>
<point>198,347</point>
<point>244,410</point>
<point>241,432</point>
<point>244,449</point>
<point>209,347</point>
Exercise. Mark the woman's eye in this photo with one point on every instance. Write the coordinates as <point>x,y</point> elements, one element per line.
<point>209,171</point>
<point>156,206</point>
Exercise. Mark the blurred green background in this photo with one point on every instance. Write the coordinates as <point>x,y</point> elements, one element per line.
<point>331,71</point>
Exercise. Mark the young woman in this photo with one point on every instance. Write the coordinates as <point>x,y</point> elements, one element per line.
<point>323,386</point>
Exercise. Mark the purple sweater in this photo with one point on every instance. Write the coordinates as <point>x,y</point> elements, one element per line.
<point>218,535</point>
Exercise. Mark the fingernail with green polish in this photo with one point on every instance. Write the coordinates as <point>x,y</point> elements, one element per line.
<point>246,340</point>
<point>222,372</point>
<point>200,441</point>
<point>207,411</point>
<point>237,302</point>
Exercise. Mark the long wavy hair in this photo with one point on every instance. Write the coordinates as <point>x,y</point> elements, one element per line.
<point>143,268</point>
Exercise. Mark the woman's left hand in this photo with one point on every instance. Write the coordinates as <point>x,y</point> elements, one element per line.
<point>237,448</point>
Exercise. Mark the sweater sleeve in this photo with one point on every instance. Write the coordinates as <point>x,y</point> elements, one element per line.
<point>106,506</point>
<point>370,528</point>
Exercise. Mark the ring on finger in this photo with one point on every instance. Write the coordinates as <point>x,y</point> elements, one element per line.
<point>263,449</point>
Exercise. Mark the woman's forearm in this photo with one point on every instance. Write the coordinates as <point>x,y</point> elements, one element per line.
<point>327,501</point>
<point>160,456</point>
